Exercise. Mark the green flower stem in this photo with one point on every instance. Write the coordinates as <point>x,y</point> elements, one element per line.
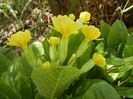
<point>28,54</point>
<point>63,47</point>
<point>72,63</point>
<point>87,66</point>
<point>82,48</point>
<point>72,59</point>
<point>53,54</point>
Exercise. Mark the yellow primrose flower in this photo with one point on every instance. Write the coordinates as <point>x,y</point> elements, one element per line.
<point>99,59</point>
<point>19,39</point>
<point>46,65</point>
<point>53,40</point>
<point>91,32</point>
<point>65,25</point>
<point>72,16</point>
<point>85,16</point>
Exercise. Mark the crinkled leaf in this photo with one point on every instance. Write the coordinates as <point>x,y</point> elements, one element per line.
<point>52,83</point>
<point>125,91</point>
<point>99,90</point>
<point>8,92</point>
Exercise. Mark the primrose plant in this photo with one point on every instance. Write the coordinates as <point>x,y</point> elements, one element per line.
<point>53,75</point>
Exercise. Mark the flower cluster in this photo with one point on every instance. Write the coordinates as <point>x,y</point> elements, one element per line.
<point>66,26</point>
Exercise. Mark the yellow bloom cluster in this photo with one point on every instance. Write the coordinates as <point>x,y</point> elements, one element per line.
<point>65,25</point>
<point>53,40</point>
<point>19,39</point>
<point>99,59</point>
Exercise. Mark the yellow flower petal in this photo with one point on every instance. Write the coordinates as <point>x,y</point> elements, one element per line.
<point>72,16</point>
<point>65,25</point>
<point>19,39</point>
<point>85,16</point>
<point>57,22</point>
<point>53,40</point>
<point>91,32</point>
<point>99,59</point>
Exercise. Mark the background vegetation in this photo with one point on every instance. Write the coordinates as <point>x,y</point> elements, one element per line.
<point>35,14</point>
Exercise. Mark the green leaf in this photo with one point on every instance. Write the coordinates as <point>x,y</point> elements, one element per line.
<point>117,34</point>
<point>125,91</point>
<point>2,96</point>
<point>100,48</point>
<point>128,51</point>
<point>130,39</point>
<point>53,82</point>
<point>126,73</point>
<point>119,61</point>
<point>120,65</point>
<point>7,59</point>
<point>74,42</point>
<point>38,96</point>
<point>24,86</point>
<point>115,61</point>
<point>99,90</point>
<point>4,63</point>
<point>104,28</point>
<point>21,75</point>
<point>46,49</point>
<point>129,46</point>
<point>2,11</point>
<point>8,92</point>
